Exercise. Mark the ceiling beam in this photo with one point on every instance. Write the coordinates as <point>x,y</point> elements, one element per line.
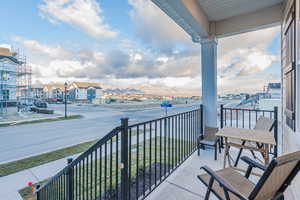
<point>260,19</point>
<point>188,15</point>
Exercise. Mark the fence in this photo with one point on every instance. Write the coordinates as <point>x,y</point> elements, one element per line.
<point>247,118</point>
<point>129,162</point>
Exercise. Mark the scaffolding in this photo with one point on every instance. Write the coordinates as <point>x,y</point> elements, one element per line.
<point>24,73</point>
<point>15,81</point>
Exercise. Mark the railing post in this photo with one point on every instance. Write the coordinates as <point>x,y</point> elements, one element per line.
<point>70,181</point>
<point>221,116</point>
<point>38,193</point>
<point>276,131</point>
<point>222,122</point>
<point>201,121</point>
<point>124,160</point>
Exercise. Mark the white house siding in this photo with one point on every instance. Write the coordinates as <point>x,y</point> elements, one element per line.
<point>81,94</point>
<point>292,139</point>
<point>275,93</point>
<point>99,93</point>
<point>9,79</point>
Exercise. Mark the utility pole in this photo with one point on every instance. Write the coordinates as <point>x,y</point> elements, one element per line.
<point>66,85</point>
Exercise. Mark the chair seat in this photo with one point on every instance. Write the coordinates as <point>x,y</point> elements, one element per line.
<point>233,178</point>
<point>211,142</point>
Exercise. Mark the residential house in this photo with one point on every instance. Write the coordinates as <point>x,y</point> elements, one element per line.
<point>274,90</point>
<point>37,92</point>
<point>8,79</point>
<point>54,92</point>
<point>84,92</point>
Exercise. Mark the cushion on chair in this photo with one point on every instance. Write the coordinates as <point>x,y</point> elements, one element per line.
<point>233,178</point>
<point>208,142</point>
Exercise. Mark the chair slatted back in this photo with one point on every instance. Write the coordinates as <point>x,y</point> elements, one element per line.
<point>210,133</point>
<point>277,177</point>
<point>264,123</point>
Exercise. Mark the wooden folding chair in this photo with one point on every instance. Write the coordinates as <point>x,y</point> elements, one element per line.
<point>210,139</point>
<point>263,123</point>
<point>229,184</point>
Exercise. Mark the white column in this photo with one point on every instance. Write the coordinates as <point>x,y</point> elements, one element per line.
<point>209,81</point>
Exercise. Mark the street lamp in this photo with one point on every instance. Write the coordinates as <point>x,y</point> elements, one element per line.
<point>66,85</point>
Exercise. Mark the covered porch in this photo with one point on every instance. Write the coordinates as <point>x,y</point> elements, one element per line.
<point>208,21</point>
<point>183,184</point>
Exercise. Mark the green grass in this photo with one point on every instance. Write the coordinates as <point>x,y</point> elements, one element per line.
<point>27,163</point>
<point>135,158</point>
<point>42,120</point>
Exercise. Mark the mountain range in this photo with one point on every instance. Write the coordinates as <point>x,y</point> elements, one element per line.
<point>126,90</point>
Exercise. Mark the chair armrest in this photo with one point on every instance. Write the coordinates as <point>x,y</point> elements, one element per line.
<point>223,183</point>
<point>253,163</point>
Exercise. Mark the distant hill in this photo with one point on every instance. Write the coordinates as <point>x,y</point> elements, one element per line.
<point>126,90</point>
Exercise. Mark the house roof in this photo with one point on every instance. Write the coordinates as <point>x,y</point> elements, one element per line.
<point>5,52</point>
<point>54,86</point>
<point>37,87</point>
<point>10,59</point>
<point>86,85</point>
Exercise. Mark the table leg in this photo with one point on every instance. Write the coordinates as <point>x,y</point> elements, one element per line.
<point>266,154</point>
<point>226,153</point>
<point>239,154</point>
<point>229,157</point>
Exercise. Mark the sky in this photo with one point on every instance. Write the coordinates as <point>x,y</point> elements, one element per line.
<point>130,44</point>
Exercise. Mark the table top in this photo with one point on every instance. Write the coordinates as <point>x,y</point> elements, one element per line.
<point>251,135</point>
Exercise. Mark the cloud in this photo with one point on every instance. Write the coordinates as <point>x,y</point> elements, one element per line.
<point>239,56</point>
<point>247,54</point>
<point>51,61</point>
<point>8,46</point>
<point>42,49</point>
<point>83,14</point>
<point>155,28</point>
<point>240,59</point>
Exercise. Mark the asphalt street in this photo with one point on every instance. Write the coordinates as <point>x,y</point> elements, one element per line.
<point>22,141</point>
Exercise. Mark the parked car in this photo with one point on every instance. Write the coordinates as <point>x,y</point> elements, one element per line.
<point>40,104</point>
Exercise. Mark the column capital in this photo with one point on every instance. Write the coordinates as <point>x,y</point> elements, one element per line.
<point>209,41</point>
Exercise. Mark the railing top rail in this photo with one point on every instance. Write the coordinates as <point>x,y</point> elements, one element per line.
<point>161,118</point>
<point>107,137</point>
<point>247,109</point>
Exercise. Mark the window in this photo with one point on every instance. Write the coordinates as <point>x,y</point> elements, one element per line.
<point>5,94</point>
<point>289,67</point>
<point>5,76</point>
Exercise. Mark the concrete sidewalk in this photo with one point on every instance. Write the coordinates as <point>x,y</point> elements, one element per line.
<point>11,184</point>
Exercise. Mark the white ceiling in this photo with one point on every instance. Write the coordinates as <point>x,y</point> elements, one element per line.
<point>217,10</point>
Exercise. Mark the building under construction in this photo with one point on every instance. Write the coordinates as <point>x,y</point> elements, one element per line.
<point>15,81</point>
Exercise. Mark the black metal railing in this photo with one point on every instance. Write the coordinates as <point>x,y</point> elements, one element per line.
<point>247,118</point>
<point>129,162</point>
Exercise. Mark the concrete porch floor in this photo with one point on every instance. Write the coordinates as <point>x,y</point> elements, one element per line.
<point>183,183</point>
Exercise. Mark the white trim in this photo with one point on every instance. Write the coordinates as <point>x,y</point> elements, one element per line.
<point>177,11</point>
<point>209,81</point>
<point>208,40</point>
<point>260,19</point>
<point>297,10</point>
